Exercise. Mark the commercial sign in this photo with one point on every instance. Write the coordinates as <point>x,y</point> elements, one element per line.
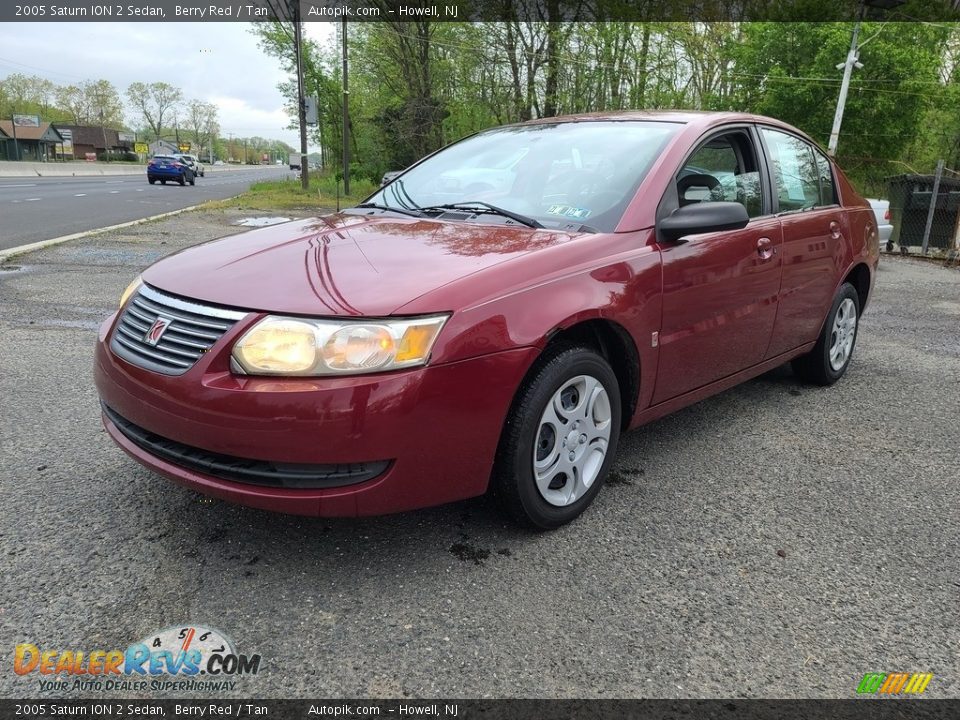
<point>126,137</point>
<point>26,120</point>
<point>184,147</point>
<point>141,148</point>
<point>67,143</point>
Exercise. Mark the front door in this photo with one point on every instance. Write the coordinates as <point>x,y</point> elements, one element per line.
<point>719,289</point>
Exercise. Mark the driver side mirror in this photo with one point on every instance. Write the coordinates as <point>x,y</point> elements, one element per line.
<point>389,176</point>
<point>703,217</point>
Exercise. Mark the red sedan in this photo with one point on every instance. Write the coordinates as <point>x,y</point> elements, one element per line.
<point>494,317</point>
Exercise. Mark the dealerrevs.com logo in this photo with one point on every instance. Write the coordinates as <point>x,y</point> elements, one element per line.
<point>188,657</point>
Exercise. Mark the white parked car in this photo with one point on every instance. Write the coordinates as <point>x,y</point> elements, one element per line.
<point>881,210</point>
<point>194,162</point>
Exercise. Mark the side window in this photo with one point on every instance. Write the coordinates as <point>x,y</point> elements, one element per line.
<point>828,192</point>
<point>724,168</point>
<point>795,171</point>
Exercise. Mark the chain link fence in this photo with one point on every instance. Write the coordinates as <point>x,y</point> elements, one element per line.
<point>910,191</point>
<point>915,227</point>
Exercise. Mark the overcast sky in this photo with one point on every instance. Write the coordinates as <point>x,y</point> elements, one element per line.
<point>217,62</point>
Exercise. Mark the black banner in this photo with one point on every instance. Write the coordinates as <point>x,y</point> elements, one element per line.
<point>854,709</point>
<point>471,10</point>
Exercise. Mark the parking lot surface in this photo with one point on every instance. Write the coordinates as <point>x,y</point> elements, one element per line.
<point>777,540</point>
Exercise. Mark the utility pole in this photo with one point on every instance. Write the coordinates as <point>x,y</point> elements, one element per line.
<point>16,145</point>
<point>852,61</point>
<point>301,102</point>
<point>346,117</point>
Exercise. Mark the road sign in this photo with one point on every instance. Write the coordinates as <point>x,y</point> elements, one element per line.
<point>141,148</point>
<point>184,147</point>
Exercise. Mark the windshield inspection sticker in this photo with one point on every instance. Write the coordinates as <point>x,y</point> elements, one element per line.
<point>569,211</point>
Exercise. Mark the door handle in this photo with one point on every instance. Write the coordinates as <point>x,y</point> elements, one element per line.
<point>765,248</point>
<point>835,230</point>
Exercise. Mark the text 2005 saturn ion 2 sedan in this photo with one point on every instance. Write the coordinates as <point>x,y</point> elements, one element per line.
<point>493,318</point>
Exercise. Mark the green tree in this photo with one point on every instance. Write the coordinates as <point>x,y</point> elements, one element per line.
<point>154,102</point>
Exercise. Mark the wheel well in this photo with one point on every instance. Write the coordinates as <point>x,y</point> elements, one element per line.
<point>859,277</point>
<point>614,343</point>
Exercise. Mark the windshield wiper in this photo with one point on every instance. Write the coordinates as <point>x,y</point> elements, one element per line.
<point>396,188</point>
<point>402,211</point>
<point>522,219</point>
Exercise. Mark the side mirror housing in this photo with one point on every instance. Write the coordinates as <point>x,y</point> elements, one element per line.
<point>388,176</point>
<point>703,217</point>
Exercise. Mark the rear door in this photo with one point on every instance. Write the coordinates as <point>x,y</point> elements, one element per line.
<point>813,237</point>
<point>719,289</point>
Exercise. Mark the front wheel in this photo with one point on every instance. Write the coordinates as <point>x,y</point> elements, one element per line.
<point>559,439</point>
<point>830,357</point>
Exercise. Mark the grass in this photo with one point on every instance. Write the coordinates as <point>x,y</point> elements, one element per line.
<point>288,195</point>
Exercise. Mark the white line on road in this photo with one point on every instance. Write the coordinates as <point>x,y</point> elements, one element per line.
<point>26,185</point>
<point>114,192</point>
<point>32,199</point>
<point>80,195</point>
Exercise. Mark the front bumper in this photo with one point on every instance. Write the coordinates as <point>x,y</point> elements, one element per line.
<point>437,428</point>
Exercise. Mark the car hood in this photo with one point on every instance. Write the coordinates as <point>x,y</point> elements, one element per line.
<point>342,264</point>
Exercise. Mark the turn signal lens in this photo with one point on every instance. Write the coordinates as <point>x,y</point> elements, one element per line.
<point>297,346</point>
<point>278,347</point>
<point>131,289</point>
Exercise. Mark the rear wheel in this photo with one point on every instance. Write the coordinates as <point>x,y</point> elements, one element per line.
<point>182,180</point>
<point>193,179</point>
<point>163,182</point>
<point>560,438</point>
<point>152,181</point>
<point>828,360</point>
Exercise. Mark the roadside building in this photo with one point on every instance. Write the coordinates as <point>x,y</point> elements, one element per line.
<point>163,147</point>
<point>6,146</point>
<point>94,140</point>
<point>35,143</point>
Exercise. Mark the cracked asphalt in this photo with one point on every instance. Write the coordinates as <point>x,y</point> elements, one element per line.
<point>777,540</point>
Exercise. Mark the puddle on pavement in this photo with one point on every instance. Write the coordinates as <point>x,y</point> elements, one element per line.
<point>262,221</point>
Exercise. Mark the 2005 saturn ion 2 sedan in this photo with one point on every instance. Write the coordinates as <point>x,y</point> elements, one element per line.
<point>494,317</point>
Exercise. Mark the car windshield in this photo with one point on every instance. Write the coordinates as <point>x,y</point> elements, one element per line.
<point>558,174</point>
<point>164,157</point>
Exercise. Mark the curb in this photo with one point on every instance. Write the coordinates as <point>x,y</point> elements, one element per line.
<point>42,244</point>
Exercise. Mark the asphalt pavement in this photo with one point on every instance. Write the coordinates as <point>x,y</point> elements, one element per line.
<point>33,209</point>
<point>777,540</point>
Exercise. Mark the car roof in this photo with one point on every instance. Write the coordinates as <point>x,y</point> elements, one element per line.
<point>698,119</point>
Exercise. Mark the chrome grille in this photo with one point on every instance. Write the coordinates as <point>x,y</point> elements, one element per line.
<point>192,330</point>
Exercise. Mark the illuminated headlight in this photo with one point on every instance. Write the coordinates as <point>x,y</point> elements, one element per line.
<point>131,289</point>
<point>298,346</point>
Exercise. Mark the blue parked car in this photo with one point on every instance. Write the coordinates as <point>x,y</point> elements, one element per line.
<point>167,167</point>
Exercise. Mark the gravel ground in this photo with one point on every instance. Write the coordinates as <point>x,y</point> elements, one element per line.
<point>776,540</point>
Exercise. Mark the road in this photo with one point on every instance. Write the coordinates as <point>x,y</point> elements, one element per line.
<point>33,209</point>
<point>776,540</point>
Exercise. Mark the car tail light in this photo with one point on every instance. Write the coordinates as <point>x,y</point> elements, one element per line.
<point>151,164</point>
<point>177,165</point>
<point>886,214</point>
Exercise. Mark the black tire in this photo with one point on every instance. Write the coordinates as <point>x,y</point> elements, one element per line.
<point>513,479</point>
<point>815,367</point>
<point>163,182</point>
<point>152,181</point>
<point>193,180</point>
<point>182,180</point>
